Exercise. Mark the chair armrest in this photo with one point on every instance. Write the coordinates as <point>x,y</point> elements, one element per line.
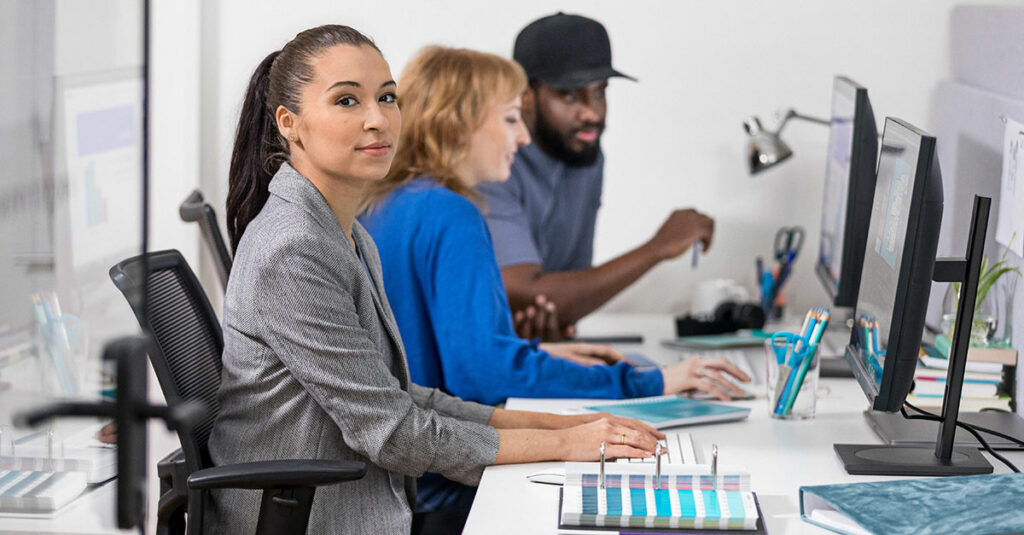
<point>273,474</point>
<point>191,209</point>
<point>173,472</point>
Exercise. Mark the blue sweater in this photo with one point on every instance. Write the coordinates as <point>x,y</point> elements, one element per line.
<point>445,289</point>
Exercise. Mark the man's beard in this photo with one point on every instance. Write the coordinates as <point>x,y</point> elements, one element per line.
<point>552,142</point>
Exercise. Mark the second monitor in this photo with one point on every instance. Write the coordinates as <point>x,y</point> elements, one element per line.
<point>849,190</point>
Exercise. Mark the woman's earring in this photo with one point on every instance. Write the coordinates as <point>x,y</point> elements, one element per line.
<point>291,137</point>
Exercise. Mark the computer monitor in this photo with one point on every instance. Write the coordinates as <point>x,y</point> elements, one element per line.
<point>897,269</point>
<point>899,266</point>
<point>849,190</point>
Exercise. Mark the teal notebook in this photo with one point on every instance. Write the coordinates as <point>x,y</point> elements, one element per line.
<point>670,411</point>
<point>991,504</point>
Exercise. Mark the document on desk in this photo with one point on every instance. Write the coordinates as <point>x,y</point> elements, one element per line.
<point>26,491</point>
<point>962,504</point>
<point>683,500</point>
<point>662,412</point>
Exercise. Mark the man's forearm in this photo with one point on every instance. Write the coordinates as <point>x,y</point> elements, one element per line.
<point>580,292</point>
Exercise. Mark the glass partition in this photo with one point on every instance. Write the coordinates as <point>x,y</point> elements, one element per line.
<point>71,145</point>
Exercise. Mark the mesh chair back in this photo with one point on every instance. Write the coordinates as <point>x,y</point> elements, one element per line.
<point>195,209</point>
<point>187,337</point>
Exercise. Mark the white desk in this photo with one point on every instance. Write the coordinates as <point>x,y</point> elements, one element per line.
<point>780,455</point>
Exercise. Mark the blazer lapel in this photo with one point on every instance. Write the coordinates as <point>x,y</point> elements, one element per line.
<point>290,185</point>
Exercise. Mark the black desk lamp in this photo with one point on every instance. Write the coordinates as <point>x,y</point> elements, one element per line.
<point>765,148</point>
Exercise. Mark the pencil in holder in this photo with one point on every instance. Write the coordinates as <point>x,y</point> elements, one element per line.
<point>792,380</point>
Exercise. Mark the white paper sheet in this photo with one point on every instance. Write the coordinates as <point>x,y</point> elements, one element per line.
<point>1010,224</point>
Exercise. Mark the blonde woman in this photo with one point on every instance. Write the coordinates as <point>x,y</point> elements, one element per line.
<point>461,127</point>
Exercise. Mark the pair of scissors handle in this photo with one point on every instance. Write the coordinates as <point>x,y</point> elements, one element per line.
<point>788,240</point>
<point>800,346</point>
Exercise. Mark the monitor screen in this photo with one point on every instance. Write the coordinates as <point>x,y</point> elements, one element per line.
<point>849,189</point>
<point>898,265</point>
<point>837,183</point>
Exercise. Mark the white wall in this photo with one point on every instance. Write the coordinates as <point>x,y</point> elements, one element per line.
<point>675,138</point>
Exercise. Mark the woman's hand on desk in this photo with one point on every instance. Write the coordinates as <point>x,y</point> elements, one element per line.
<point>532,436</point>
<point>706,375</point>
<point>584,353</point>
<point>623,437</point>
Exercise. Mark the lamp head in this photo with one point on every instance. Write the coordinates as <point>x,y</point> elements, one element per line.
<point>764,149</point>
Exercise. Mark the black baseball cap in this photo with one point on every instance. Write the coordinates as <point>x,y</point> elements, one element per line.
<point>565,51</point>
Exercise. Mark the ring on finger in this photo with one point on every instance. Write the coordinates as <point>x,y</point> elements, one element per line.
<point>623,437</point>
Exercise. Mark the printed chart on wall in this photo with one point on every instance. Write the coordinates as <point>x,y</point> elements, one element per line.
<point>103,144</point>
<point>1010,224</point>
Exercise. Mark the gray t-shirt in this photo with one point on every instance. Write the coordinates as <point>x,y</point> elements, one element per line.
<point>545,212</point>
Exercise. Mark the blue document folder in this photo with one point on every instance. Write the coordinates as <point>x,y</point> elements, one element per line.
<point>670,411</point>
<point>964,504</point>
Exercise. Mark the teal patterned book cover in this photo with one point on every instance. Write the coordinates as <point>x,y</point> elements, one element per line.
<point>988,504</point>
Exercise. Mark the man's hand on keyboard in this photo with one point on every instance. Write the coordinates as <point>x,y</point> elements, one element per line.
<point>705,375</point>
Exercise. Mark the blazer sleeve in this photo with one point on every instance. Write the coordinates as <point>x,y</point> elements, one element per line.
<point>433,398</point>
<point>313,325</point>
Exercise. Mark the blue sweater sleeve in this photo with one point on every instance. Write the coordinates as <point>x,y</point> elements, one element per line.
<point>482,358</point>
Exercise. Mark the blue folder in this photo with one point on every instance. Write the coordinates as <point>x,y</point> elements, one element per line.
<point>963,504</point>
<point>670,411</point>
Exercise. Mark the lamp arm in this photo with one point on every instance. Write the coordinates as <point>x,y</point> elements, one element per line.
<point>792,114</point>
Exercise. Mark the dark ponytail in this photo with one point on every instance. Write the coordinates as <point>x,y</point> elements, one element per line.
<point>259,148</point>
<point>253,164</point>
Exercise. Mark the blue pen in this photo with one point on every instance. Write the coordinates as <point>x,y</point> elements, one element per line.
<point>766,291</point>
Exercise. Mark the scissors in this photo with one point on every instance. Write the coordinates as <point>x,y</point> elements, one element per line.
<point>788,241</point>
<point>783,342</point>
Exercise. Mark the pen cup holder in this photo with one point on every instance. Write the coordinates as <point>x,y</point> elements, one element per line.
<point>792,383</point>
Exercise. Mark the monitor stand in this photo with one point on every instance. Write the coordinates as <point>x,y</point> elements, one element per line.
<point>942,459</point>
<point>895,430</point>
<point>862,459</point>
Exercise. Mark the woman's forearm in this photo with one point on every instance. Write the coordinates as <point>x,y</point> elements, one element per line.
<point>529,446</point>
<point>506,419</point>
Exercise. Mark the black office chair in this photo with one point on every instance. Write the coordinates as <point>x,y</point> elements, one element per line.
<point>195,209</point>
<point>186,355</point>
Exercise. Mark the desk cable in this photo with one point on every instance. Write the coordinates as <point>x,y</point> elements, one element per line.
<point>970,428</point>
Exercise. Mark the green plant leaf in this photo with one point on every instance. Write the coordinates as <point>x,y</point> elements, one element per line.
<point>987,283</point>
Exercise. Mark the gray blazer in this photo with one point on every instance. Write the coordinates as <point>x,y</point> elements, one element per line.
<point>314,368</point>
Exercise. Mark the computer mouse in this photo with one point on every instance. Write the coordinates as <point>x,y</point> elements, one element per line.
<point>551,476</point>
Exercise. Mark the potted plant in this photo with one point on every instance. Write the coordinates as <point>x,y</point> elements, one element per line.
<point>986,322</point>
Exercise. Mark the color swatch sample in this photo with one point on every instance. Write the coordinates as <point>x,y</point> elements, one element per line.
<point>680,501</point>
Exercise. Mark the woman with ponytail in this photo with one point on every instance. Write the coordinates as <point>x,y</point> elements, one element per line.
<point>313,363</point>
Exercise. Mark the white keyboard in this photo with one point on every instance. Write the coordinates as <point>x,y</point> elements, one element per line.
<point>678,447</point>
<point>738,358</point>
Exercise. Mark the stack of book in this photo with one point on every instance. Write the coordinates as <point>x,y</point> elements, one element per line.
<point>988,379</point>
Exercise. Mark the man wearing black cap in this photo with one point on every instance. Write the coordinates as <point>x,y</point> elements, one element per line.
<point>542,219</point>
